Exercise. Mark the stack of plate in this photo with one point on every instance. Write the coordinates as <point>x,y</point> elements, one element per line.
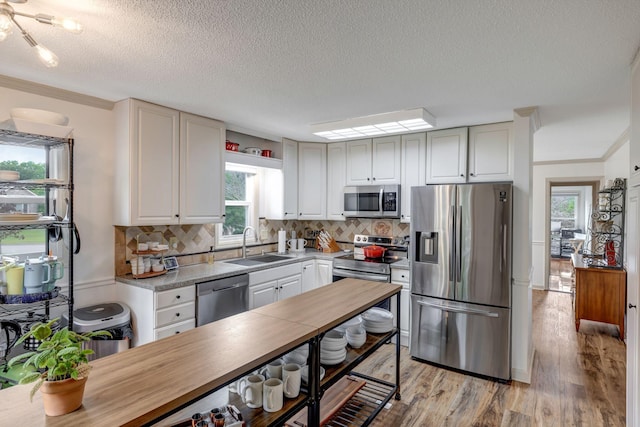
<point>377,320</point>
<point>333,348</point>
<point>299,355</point>
<point>354,321</point>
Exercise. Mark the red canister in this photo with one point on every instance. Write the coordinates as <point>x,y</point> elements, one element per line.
<point>266,153</point>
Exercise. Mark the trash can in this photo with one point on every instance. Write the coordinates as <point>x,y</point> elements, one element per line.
<point>114,317</point>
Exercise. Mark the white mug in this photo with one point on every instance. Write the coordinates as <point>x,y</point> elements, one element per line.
<point>293,244</point>
<point>273,369</point>
<point>301,244</point>
<point>291,378</point>
<point>252,393</point>
<point>272,399</point>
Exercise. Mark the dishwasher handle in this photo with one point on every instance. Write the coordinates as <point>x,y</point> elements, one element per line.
<point>205,288</point>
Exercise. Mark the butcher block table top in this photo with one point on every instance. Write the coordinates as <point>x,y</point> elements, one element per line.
<point>331,305</point>
<point>144,383</point>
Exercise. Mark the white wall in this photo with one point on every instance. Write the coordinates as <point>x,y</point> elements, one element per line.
<point>617,165</point>
<point>542,175</point>
<point>93,168</point>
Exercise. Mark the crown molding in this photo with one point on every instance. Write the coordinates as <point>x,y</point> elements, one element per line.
<point>532,113</point>
<point>622,139</point>
<point>54,92</point>
<point>564,162</point>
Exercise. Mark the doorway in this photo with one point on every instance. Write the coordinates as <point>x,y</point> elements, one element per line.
<point>570,206</point>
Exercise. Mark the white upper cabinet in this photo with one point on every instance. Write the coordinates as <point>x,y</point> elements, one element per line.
<point>336,180</point>
<point>374,161</point>
<point>201,163</point>
<point>385,162</point>
<point>491,152</point>
<point>414,158</point>
<point>447,156</point>
<point>359,162</point>
<point>312,180</point>
<point>169,166</point>
<point>290,176</point>
<point>279,188</point>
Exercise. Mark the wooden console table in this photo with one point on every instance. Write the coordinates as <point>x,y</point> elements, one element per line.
<point>600,295</point>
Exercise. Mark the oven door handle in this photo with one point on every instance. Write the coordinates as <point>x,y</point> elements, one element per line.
<point>361,275</point>
<point>380,203</point>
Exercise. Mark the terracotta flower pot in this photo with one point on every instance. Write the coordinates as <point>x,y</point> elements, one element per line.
<point>62,397</point>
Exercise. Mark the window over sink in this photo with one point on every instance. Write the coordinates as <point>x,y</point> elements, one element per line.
<point>241,205</point>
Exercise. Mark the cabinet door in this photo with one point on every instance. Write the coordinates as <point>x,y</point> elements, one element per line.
<point>447,156</point>
<point>359,162</point>
<point>308,275</point>
<point>491,152</point>
<point>312,182</point>
<point>289,287</point>
<point>634,143</point>
<point>414,158</point>
<point>386,154</point>
<point>263,294</point>
<point>324,270</point>
<point>201,170</point>
<point>154,166</point>
<point>336,180</point>
<point>633,296</point>
<point>290,178</point>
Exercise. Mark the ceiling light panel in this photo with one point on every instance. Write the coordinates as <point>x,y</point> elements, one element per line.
<point>378,124</point>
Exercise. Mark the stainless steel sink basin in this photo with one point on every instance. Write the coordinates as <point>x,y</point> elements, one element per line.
<point>257,260</point>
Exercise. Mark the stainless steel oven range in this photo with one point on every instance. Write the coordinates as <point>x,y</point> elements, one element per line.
<point>358,266</point>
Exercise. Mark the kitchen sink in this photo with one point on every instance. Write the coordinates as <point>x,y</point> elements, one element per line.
<point>257,260</point>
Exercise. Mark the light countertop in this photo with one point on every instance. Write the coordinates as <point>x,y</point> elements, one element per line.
<point>192,274</point>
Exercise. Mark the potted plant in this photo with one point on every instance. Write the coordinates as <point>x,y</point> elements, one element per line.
<point>61,363</point>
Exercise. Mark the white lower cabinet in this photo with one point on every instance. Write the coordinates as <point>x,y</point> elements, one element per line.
<point>316,273</point>
<point>156,315</point>
<point>274,284</point>
<point>400,276</point>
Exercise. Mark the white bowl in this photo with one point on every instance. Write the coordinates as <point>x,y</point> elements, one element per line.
<point>39,116</point>
<point>355,331</point>
<point>157,267</point>
<point>304,373</point>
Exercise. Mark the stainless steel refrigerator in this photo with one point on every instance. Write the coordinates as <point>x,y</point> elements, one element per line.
<point>461,277</point>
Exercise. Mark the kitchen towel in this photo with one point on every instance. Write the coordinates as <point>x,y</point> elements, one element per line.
<point>282,241</point>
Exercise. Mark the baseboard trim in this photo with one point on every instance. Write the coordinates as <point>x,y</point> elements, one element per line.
<point>521,375</point>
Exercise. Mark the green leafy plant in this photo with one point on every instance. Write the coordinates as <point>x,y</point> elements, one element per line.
<point>59,356</point>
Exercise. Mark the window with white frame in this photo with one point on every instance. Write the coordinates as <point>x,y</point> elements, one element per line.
<point>241,209</point>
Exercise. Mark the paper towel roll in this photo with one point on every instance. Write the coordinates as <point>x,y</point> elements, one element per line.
<point>282,241</point>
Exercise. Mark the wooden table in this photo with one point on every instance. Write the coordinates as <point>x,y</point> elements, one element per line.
<point>144,383</point>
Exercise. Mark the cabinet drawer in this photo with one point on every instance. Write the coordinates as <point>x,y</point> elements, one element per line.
<point>175,296</point>
<point>174,329</point>
<point>399,275</point>
<point>176,313</point>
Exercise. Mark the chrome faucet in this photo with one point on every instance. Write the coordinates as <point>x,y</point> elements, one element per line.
<point>244,239</point>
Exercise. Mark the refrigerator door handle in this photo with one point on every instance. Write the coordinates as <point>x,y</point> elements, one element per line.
<point>504,246</point>
<point>458,238</point>
<point>459,310</point>
<point>452,246</point>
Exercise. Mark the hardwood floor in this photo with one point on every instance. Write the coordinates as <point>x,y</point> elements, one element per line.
<point>578,379</point>
<point>560,274</point>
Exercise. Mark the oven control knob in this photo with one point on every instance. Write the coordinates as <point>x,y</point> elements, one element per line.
<point>358,239</point>
<point>364,239</point>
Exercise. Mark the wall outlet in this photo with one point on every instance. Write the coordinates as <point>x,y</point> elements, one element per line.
<point>173,242</point>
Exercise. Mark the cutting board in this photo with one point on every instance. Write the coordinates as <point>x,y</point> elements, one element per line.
<point>331,402</point>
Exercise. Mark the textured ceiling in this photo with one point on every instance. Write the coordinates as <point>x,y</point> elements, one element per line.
<point>272,67</point>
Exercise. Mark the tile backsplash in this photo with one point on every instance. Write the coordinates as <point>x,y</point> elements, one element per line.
<point>194,241</point>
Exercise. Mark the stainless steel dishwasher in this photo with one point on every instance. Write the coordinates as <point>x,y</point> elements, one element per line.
<point>217,299</point>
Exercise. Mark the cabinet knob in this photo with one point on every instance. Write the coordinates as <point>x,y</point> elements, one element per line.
<point>177,296</point>
<point>177,332</point>
<point>636,167</point>
<point>367,179</point>
<point>300,213</point>
<point>177,215</point>
<point>374,178</point>
<point>471,174</point>
<point>177,314</point>
<point>632,305</point>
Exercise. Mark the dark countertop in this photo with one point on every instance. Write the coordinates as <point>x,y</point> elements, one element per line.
<point>192,274</point>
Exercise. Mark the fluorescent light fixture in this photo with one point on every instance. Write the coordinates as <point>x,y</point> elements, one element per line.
<point>377,124</point>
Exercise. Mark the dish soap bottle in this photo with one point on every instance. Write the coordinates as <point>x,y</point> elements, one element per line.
<point>210,258</point>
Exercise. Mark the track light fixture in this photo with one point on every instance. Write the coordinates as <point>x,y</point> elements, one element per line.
<point>8,21</point>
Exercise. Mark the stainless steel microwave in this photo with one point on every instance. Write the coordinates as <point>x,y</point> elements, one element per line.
<point>372,201</point>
